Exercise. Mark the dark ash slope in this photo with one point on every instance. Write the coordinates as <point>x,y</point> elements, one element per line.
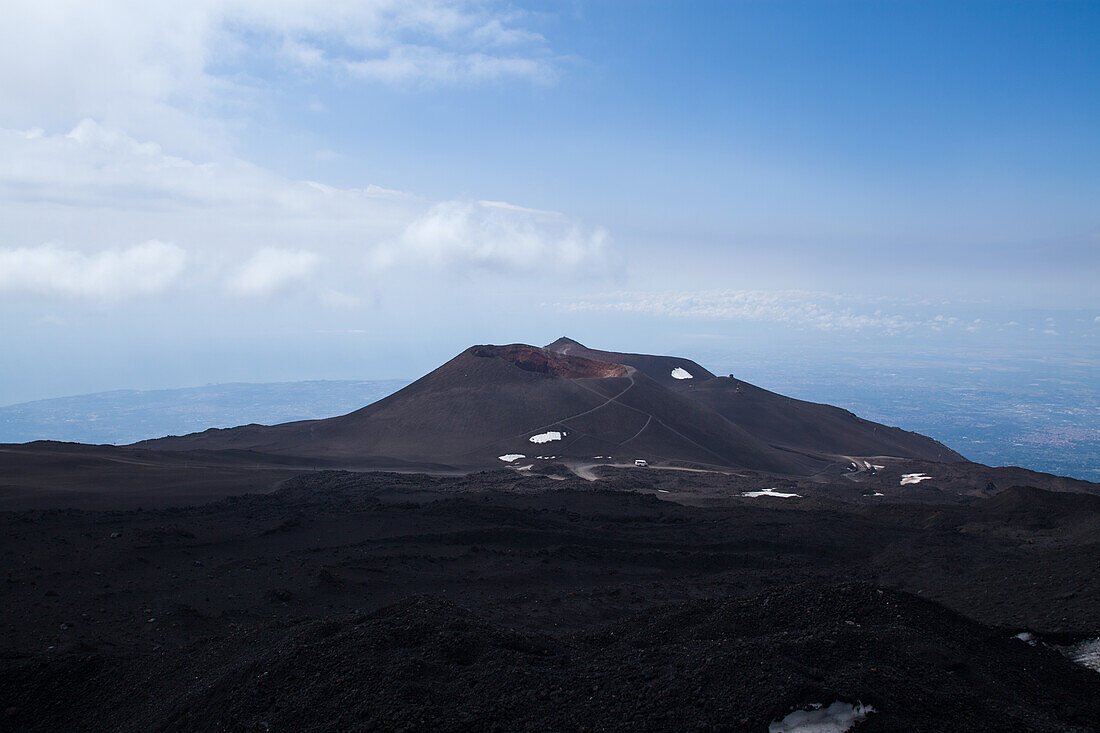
<point>305,610</point>
<point>773,418</point>
<point>719,664</point>
<point>490,401</point>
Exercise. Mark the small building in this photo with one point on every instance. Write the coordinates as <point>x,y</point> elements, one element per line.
<point>640,462</point>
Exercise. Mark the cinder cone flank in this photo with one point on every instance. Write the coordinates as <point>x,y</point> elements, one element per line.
<point>572,402</point>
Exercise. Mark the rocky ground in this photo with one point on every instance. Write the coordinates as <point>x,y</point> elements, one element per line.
<point>496,601</point>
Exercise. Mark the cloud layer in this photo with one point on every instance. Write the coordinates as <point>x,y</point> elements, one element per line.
<point>272,270</point>
<point>243,225</point>
<point>792,307</point>
<point>143,269</point>
<point>130,80</point>
<point>801,309</point>
<point>495,235</point>
<point>165,69</point>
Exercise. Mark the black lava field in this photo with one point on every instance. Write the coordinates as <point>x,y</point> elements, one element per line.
<point>480,551</point>
<point>383,601</point>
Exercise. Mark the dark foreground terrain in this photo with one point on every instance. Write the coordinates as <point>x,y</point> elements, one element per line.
<point>495,601</point>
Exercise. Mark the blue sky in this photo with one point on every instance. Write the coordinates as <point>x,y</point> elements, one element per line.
<point>274,190</point>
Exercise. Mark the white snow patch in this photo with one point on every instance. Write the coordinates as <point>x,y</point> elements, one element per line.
<point>1025,636</point>
<point>769,492</point>
<point>662,491</point>
<point>509,457</point>
<point>681,373</point>
<point>547,436</point>
<point>876,467</point>
<point>837,718</point>
<point>596,458</point>
<point>526,468</point>
<point>914,478</point>
<point>1087,654</point>
<point>878,493</point>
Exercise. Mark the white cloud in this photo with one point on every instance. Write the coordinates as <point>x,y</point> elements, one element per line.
<point>403,65</point>
<point>100,166</point>
<point>493,234</point>
<point>273,270</point>
<point>143,269</point>
<point>338,300</point>
<point>94,185</point>
<point>162,69</point>
<point>120,74</point>
<point>395,42</point>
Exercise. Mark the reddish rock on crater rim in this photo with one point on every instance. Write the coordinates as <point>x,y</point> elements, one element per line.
<point>534,359</point>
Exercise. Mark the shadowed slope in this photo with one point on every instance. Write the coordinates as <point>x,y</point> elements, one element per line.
<point>718,663</point>
<point>771,417</point>
<point>812,426</point>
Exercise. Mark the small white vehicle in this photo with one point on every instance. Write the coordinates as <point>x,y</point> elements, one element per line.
<point>640,462</point>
